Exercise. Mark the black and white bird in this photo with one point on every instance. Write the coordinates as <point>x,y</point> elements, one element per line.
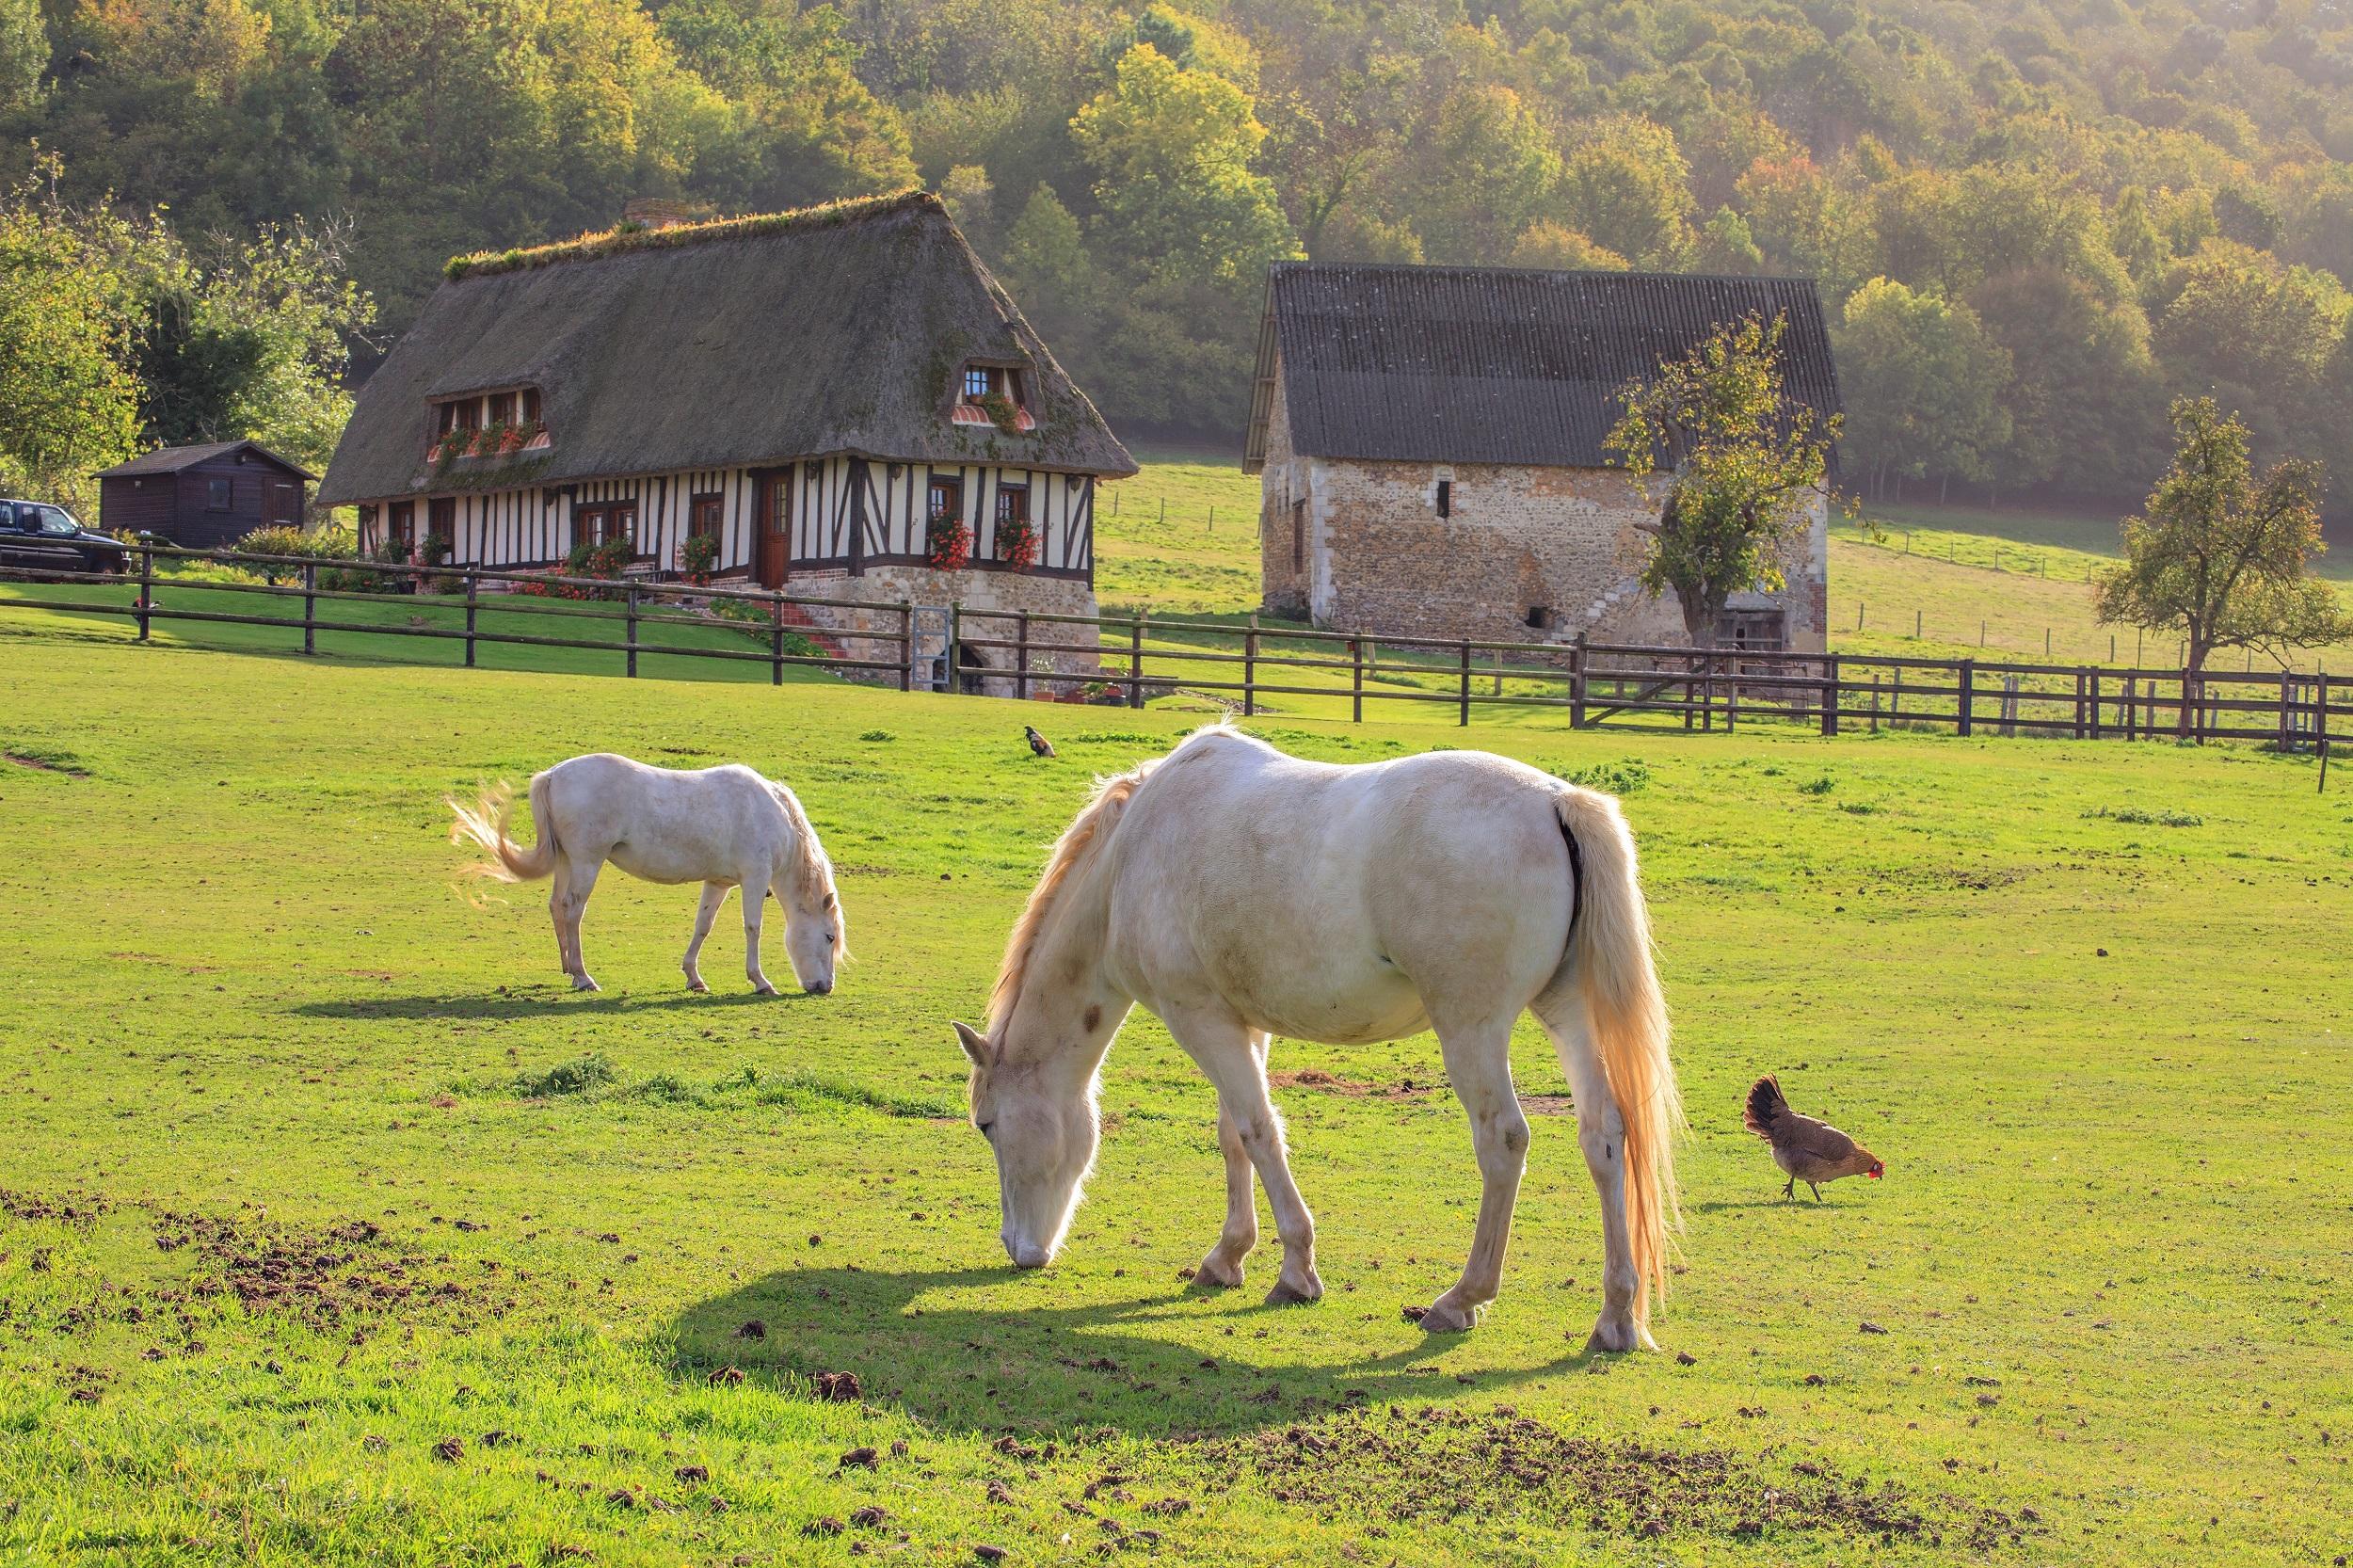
<point>1039,744</point>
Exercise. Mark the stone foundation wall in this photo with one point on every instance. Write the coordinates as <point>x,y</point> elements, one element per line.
<point>989,601</point>
<point>1525,554</point>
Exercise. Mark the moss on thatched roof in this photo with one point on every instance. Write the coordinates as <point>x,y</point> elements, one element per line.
<point>746,341</point>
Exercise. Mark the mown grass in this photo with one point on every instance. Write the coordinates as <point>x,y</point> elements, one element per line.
<point>298,1264</point>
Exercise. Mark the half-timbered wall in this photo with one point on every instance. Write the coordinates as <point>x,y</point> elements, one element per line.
<point>844,513</point>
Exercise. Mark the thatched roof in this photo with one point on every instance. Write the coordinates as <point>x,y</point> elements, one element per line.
<point>1447,364</point>
<point>836,329</point>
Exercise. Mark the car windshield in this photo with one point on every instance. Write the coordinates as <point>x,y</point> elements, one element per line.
<point>55,520</point>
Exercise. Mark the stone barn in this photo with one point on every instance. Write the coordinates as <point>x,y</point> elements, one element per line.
<point>1429,443</point>
<point>820,396</point>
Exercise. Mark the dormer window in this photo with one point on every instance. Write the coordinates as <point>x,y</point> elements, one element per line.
<point>992,394</point>
<point>461,425</point>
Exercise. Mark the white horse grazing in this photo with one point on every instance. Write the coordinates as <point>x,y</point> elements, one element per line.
<point>1239,893</point>
<point>724,827</point>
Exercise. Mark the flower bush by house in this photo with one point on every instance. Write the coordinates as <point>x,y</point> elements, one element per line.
<point>1017,541</point>
<point>947,544</point>
<point>698,557</point>
<point>608,560</point>
<point>1001,413</point>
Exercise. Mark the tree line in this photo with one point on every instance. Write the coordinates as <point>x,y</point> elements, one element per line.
<point>2035,223</point>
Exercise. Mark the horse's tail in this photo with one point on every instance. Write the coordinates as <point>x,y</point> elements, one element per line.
<point>1609,958</point>
<point>484,824</point>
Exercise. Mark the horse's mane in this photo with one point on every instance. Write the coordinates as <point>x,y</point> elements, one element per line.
<point>809,866</point>
<point>1072,849</point>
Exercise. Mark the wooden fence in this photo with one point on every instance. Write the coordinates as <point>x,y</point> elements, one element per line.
<point>1132,659</point>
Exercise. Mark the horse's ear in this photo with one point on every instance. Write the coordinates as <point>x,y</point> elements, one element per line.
<point>975,1044</point>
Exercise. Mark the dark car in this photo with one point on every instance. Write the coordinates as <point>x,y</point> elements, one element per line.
<point>39,536</point>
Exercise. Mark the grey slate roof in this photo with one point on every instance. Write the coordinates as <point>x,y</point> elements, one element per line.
<point>837,329</point>
<point>172,459</point>
<point>1496,365</point>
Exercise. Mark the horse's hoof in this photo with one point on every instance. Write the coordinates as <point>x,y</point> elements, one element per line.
<point>694,982</point>
<point>581,983</point>
<point>1287,1294</point>
<point>763,990</point>
<point>1617,1336</point>
<point>1444,1317</point>
<point>1215,1270</point>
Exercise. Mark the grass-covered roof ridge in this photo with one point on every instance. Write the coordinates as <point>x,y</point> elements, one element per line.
<point>629,237</point>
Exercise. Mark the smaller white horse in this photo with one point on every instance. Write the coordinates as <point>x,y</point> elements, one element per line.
<point>724,827</point>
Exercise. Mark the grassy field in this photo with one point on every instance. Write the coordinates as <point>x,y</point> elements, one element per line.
<point>333,1229</point>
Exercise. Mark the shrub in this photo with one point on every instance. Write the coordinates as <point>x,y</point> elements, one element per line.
<point>576,1077</point>
<point>1821,786</point>
<point>2141,817</point>
<point>275,539</point>
<point>1626,777</point>
<point>699,556</point>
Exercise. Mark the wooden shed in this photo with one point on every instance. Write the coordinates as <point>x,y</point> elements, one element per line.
<point>203,497</point>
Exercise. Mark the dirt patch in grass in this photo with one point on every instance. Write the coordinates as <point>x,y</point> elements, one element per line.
<point>1332,1083</point>
<point>323,1276</point>
<point>73,1209</point>
<point>44,759</point>
<point>1442,1464</point>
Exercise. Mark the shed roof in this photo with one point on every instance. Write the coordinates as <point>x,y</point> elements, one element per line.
<point>172,459</point>
<point>834,329</point>
<point>1493,364</point>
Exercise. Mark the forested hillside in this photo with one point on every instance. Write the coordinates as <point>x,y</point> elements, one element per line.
<point>2032,222</point>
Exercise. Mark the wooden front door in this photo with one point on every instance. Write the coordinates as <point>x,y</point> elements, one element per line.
<point>776,526</point>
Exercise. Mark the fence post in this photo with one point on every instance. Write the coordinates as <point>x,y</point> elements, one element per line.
<point>1968,692</point>
<point>311,615</point>
<point>1875,702</point>
<point>1464,703</point>
<point>956,634</point>
<point>1829,695</point>
<point>147,584</point>
<point>775,639</point>
<point>906,646</point>
<point>474,595</point>
<point>631,626</point>
<point>1577,682</point>
<point>1250,668</point>
<point>1135,659</point>
<point>1021,656</point>
<point>2095,704</point>
<point>1357,679</point>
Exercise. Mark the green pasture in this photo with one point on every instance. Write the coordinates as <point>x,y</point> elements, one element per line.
<point>333,1229</point>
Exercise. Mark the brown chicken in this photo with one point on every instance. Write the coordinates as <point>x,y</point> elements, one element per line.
<point>1808,1150</point>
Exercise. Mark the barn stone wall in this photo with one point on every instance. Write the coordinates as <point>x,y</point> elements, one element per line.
<point>986,596</point>
<point>1374,556</point>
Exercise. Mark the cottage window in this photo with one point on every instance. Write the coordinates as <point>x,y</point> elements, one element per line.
<point>400,525</point>
<point>531,405</point>
<point>1012,507</point>
<point>704,514</point>
<point>501,408</point>
<point>1446,498</point>
<point>1754,631</point>
<point>607,522</point>
<point>982,382</point>
<point>218,495</point>
<point>1298,535</point>
<point>440,528</point>
<point>946,501</point>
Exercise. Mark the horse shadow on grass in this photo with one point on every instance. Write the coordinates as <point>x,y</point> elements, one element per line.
<point>984,1349</point>
<point>499,1006</point>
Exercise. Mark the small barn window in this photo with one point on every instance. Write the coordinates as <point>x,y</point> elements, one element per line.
<point>1446,498</point>
<point>1539,617</point>
<point>1754,631</point>
<point>218,495</point>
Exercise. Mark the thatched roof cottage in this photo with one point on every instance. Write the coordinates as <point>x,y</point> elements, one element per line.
<point>822,391</point>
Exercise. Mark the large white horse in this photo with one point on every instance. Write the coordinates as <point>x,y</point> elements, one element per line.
<point>1239,893</point>
<point>724,827</point>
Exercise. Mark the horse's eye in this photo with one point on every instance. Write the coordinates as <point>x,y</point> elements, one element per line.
<point>988,1130</point>
<point>830,938</point>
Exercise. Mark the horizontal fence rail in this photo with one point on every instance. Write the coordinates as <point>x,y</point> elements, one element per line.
<point>1132,659</point>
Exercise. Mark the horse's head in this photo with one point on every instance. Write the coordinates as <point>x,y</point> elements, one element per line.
<point>815,938</point>
<point>1039,1118</point>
